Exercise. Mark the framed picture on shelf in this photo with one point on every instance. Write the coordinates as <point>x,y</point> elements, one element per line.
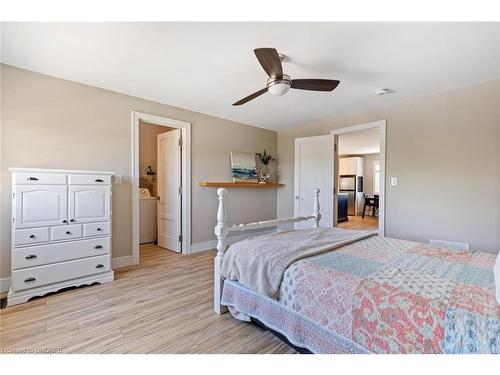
<point>243,167</point>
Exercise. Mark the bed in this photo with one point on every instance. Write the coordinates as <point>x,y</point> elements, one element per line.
<point>329,290</point>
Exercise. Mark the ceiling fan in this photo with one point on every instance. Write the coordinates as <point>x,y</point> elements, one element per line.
<point>279,83</point>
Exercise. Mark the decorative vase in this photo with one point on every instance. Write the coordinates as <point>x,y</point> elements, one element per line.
<point>264,175</point>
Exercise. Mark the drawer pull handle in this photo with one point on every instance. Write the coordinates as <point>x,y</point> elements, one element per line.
<point>32,256</point>
<point>32,179</point>
<point>99,180</point>
<point>32,236</point>
<point>98,247</point>
<point>68,232</point>
<point>100,266</point>
<point>72,220</point>
<point>99,229</point>
<point>29,280</point>
<point>65,221</point>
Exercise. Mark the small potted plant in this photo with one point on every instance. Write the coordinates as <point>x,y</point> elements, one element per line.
<point>265,158</point>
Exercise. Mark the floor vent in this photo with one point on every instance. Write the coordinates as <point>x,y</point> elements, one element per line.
<point>457,246</point>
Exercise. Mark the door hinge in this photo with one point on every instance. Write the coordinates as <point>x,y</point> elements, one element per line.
<point>181,238</point>
<point>180,190</point>
<point>180,142</point>
<point>13,195</point>
<point>13,220</point>
<point>335,147</point>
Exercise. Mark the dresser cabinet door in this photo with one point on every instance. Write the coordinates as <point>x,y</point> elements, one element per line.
<point>89,203</point>
<point>40,205</point>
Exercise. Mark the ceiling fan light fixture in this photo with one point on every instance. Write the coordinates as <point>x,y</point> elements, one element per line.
<point>278,87</point>
<point>278,83</point>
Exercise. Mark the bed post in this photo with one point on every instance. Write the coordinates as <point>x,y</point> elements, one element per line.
<point>221,231</point>
<point>316,214</point>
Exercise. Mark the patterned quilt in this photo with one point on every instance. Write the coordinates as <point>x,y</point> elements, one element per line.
<point>393,296</point>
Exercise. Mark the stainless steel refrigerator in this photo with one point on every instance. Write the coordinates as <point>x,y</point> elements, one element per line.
<point>350,184</point>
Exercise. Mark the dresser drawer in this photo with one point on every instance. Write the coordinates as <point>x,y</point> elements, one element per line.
<point>96,229</point>
<point>66,232</point>
<point>36,178</point>
<point>88,179</point>
<point>33,235</point>
<point>53,273</point>
<point>59,252</point>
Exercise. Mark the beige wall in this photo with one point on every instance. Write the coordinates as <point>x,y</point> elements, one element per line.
<point>53,123</point>
<point>445,151</point>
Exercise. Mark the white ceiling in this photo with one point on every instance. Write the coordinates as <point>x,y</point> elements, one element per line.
<point>206,67</point>
<point>360,142</point>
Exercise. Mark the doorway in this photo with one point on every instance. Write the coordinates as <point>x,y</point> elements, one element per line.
<point>161,183</point>
<point>359,176</point>
<point>317,165</point>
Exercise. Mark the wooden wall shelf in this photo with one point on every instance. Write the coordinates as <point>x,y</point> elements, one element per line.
<point>241,184</point>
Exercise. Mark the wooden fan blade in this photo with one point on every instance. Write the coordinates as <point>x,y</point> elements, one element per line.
<point>315,84</point>
<point>270,61</point>
<point>250,97</point>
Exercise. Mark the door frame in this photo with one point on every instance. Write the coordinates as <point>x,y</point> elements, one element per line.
<point>185,127</point>
<point>381,125</point>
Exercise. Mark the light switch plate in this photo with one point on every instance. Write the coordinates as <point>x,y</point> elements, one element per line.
<point>118,179</point>
<point>394,181</point>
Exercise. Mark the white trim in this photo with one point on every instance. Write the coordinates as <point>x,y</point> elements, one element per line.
<point>4,284</point>
<point>186,177</point>
<point>121,262</point>
<point>381,125</point>
<point>211,245</point>
<point>69,171</point>
<point>355,128</point>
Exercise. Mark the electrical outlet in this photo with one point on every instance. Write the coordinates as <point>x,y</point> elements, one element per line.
<point>118,179</point>
<point>394,181</point>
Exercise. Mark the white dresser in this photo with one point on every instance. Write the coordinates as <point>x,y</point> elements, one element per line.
<point>61,230</point>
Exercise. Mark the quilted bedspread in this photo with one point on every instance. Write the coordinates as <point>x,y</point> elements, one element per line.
<point>395,296</point>
<point>382,295</point>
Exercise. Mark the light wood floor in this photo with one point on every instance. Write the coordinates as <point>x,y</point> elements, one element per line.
<point>357,222</point>
<point>163,305</point>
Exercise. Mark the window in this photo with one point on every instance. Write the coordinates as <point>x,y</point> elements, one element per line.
<point>376,177</point>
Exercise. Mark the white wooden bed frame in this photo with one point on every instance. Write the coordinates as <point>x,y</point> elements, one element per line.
<point>222,229</point>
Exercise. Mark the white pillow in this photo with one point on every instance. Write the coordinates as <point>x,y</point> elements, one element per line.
<point>496,271</point>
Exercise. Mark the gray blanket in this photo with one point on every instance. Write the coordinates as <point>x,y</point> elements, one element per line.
<point>260,262</point>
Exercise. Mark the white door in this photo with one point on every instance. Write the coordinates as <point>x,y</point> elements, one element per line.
<point>89,203</point>
<point>39,206</point>
<point>169,190</point>
<point>314,167</point>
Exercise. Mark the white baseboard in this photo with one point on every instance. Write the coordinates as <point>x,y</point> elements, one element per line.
<point>4,284</point>
<point>203,246</point>
<point>121,262</point>
<point>211,245</point>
